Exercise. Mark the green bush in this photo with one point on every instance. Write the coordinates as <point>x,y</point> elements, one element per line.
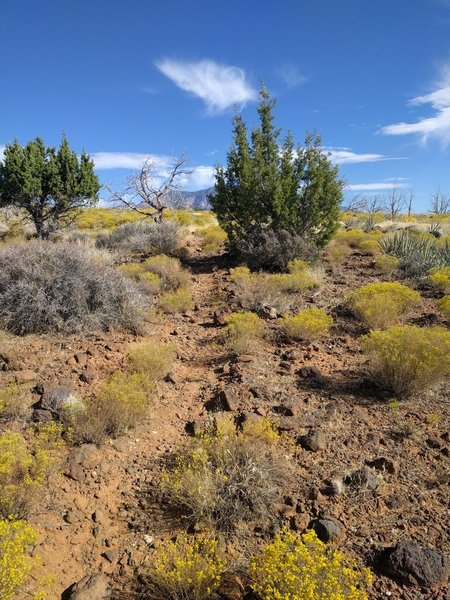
<point>309,324</point>
<point>444,306</point>
<point>387,264</point>
<point>380,305</point>
<point>441,278</point>
<point>303,568</point>
<point>177,302</point>
<point>407,359</point>
<point>152,359</point>
<point>243,330</point>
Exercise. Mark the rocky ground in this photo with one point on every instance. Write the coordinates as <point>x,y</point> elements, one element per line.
<point>102,514</point>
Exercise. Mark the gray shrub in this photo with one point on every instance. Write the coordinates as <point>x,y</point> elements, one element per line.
<point>142,238</point>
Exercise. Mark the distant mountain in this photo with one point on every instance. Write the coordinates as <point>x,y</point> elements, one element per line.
<point>195,200</point>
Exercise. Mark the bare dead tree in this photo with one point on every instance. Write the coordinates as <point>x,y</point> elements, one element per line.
<point>147,195</point>
<point>440,203</point>
<point>357,204</point>
<point>410,203</point>
<point>394,203</point>
<point>374,204</point>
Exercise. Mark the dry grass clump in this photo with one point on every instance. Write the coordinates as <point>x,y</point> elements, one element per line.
<point>177,302</point>
<point>337,253</point>
<point>296,567</point>
<point>173,276</point>
<point>224,477</point>
<point>408,359</point>
<point>14,402</point>
<point>142,238</point>
<point>440,278</point>
<point>369,247</point>
<point>380,305</point>
<point>25,465</point>
<point>243,331</point>
<point>149,282</point>
<point>443,306</point>
<point>16,563</point>
<point>185,568</point>
<point>387,264</point>
<point>154,360</point>
<point>213,239</point>
<point>309,324</point>
<point>64,288</point>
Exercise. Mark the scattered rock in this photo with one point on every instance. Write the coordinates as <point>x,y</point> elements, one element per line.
<point>224,400</point>
<point>328,530</point>
<point>312,376</point>
<point>314,441</point>
<point>26,376</point>
<point>91,587</point>
<point>409,563</point>
<point>111,556</point>
<point>382,464</point>
<point>362,479</point>
<point>42,416</point>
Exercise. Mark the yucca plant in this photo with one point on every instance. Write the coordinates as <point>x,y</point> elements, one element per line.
<point>418,254</point>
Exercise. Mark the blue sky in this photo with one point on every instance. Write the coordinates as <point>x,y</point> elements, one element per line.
<point>132,78</point>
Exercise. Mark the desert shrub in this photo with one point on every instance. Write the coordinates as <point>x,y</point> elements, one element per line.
<point>25,466</point>
<point>14,403</point>
<point>387,264</point>
<point>443,306</point>
<point>380,305</point>
<point>299,278</point>
<point>298,567</point>
<point>417,253</point>
<point>213,238</point>
<point>177,302</point>
<point>173,276</point>
<point>148,282</point>
<point>257,291</point>
<point>309,324</point>
<point>273,250</point>
<point>119,404</point>
<point>337,253</point>
<point>369,247</point>
<point>15,561</point>
<point>154,360</point>
<point>142,238</point>
<point>61,287</point>
<point>243,330</point>
<point>352,238</point>
<point>224,477</point>
<point>441,278</point>
<point>185,569</point>
<point>407,359</point>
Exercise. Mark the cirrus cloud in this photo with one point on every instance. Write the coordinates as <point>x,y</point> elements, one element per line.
<point>219,86</point>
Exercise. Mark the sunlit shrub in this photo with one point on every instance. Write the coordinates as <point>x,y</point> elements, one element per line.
<point>149,282</point>
<point>224,477</point>
<point>173,276</point>
<point>120,403</point>
<point>243,330</point>
<point>187,568</point>
<point>302,567</point>
<point>441,278</point>
<point>369,247</point>
<point>380,305</point>
<point>25,466</point>
<point>407,359</point>
<point>14,403</point>
<point>15,561</point>
<point>153,359</point>
<point>142,238</point>
<point>337,253</point>
<point>309,324</point>
<point>387,264</point>
<point>352,238</point>
<point>177,302</point>
<point>213,238</point>
<point>443,306</point>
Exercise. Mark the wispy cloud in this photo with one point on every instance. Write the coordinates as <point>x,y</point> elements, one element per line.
<point>291,76</point>
<point>344,156</point>
<point>436,126</point>
<point>219,86</point>
<point>202,176</point>
<point>379,185</point>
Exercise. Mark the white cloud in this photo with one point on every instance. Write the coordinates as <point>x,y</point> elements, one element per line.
<point>201,177</point>
<point>382,185</point>
<point>291,76</point>
<point>438,125</point>
<point>219,86</point>
<point>344,156</point>
<point>2,152</point>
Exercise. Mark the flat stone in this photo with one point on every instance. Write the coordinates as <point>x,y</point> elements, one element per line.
<point>91,587</point>
<point>314,441</point>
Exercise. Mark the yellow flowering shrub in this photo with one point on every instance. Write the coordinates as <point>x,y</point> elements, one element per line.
<point>151,282</point>
<point>225,476</point>
<point>14,402</point>
<point>440,278</point>
<point>152,359</point>
<point>444,306</point>
<point>380,305</point>
<point>409,358</point>
<point>309,324</point>
<point>187,568</point>
<point>25,466</point>
<point>177,302</point>
<point>169,269</point>
<point>303,568</point>
<point>337,253</point>
<point>369,247</point>
<point>15,562</point>
<point>213,238</point>
<point>243,329</point>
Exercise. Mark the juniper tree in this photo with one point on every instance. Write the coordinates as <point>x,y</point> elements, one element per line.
<point>49,184</point>
<point>270,185</point>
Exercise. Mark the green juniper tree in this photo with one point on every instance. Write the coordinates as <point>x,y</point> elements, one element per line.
<point>275,187</point>
<point>49,184</point>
